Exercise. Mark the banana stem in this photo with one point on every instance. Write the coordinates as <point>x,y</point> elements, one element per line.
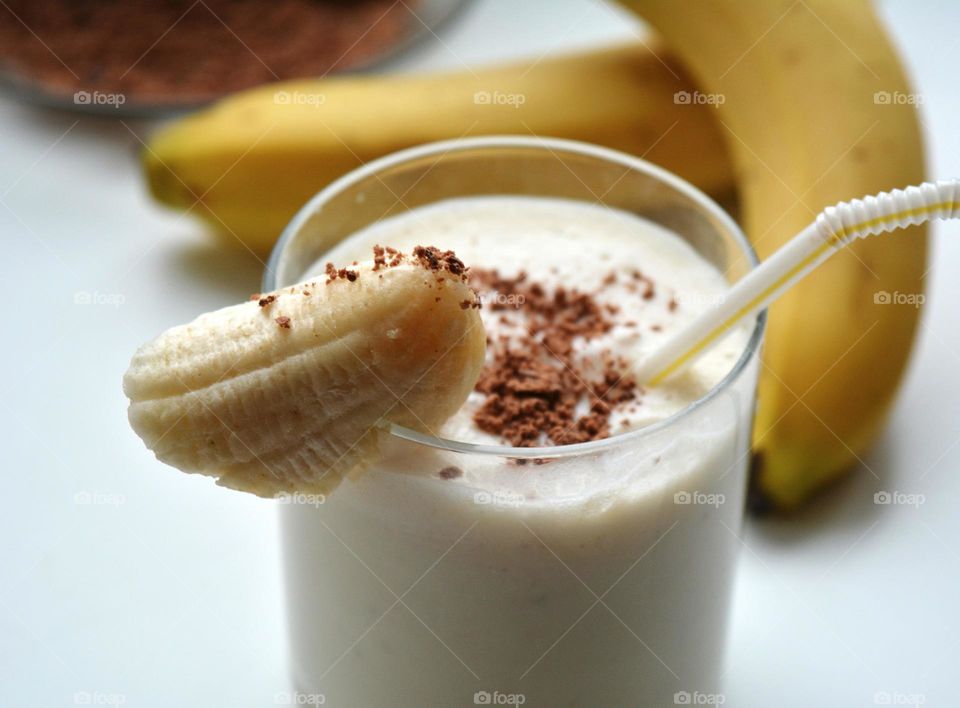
<point>833,229</point>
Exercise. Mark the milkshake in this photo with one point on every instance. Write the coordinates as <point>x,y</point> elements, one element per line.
<point>568,537</point>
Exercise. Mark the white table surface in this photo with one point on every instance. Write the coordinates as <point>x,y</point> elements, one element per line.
<point>164,590</point>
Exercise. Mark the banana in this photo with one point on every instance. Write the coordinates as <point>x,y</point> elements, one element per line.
<point>284,394</point>
<point>248,163</point>
<point>800,88</point>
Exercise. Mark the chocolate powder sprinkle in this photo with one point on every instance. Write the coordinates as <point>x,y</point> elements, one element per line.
<point>428,257</point>
<point>283,321</point>
<point>535,389</point>
<point>435,259</point>
<point>379,259</point>
<point>331,272</point>
<point>267,300</point>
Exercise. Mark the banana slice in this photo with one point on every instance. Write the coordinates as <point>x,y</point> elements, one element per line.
<point>284,394</point>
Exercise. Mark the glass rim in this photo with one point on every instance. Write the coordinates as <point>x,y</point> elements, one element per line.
<point>553,145</point>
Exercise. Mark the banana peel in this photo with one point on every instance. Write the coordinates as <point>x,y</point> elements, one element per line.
<point>248,163</point>
<point>808,120</point>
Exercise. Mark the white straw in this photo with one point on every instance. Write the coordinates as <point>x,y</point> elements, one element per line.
<point>833,229</point>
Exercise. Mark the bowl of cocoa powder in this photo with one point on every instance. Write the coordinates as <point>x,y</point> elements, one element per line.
<point>153,57</point>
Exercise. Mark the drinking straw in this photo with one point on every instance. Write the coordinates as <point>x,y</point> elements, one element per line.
<point>833,229</point>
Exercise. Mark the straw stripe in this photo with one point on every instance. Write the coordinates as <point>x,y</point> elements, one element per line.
<point>851,231</point>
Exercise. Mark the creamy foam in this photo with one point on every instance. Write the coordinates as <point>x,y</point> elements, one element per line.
<point>590,248</point>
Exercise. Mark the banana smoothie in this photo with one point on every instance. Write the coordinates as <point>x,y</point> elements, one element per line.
<point>570,548</point>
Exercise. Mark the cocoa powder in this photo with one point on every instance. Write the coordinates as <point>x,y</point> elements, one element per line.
<point>181,51</point>
<point>536,390</point>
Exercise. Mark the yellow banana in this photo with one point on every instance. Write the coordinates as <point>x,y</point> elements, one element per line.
<point>815,109</point>
<point>248,163</point>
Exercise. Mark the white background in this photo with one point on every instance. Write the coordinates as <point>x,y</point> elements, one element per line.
<point>167,592</point>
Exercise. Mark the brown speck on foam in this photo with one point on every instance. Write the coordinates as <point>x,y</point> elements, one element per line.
<point>266,301</point>
<point>649,287</point>
<point>283,321</point>
<point>450,472</point>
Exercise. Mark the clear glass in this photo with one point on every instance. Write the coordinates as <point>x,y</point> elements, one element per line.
<point>595,574</point>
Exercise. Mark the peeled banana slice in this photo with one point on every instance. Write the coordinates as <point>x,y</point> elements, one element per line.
<point>284,393</point>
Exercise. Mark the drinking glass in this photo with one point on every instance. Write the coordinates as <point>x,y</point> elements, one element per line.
<point>592,574</point>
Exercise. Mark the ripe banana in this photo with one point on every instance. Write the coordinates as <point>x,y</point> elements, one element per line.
<point>248,163</point>
<point>796,86</point>
<point>284,394</point>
